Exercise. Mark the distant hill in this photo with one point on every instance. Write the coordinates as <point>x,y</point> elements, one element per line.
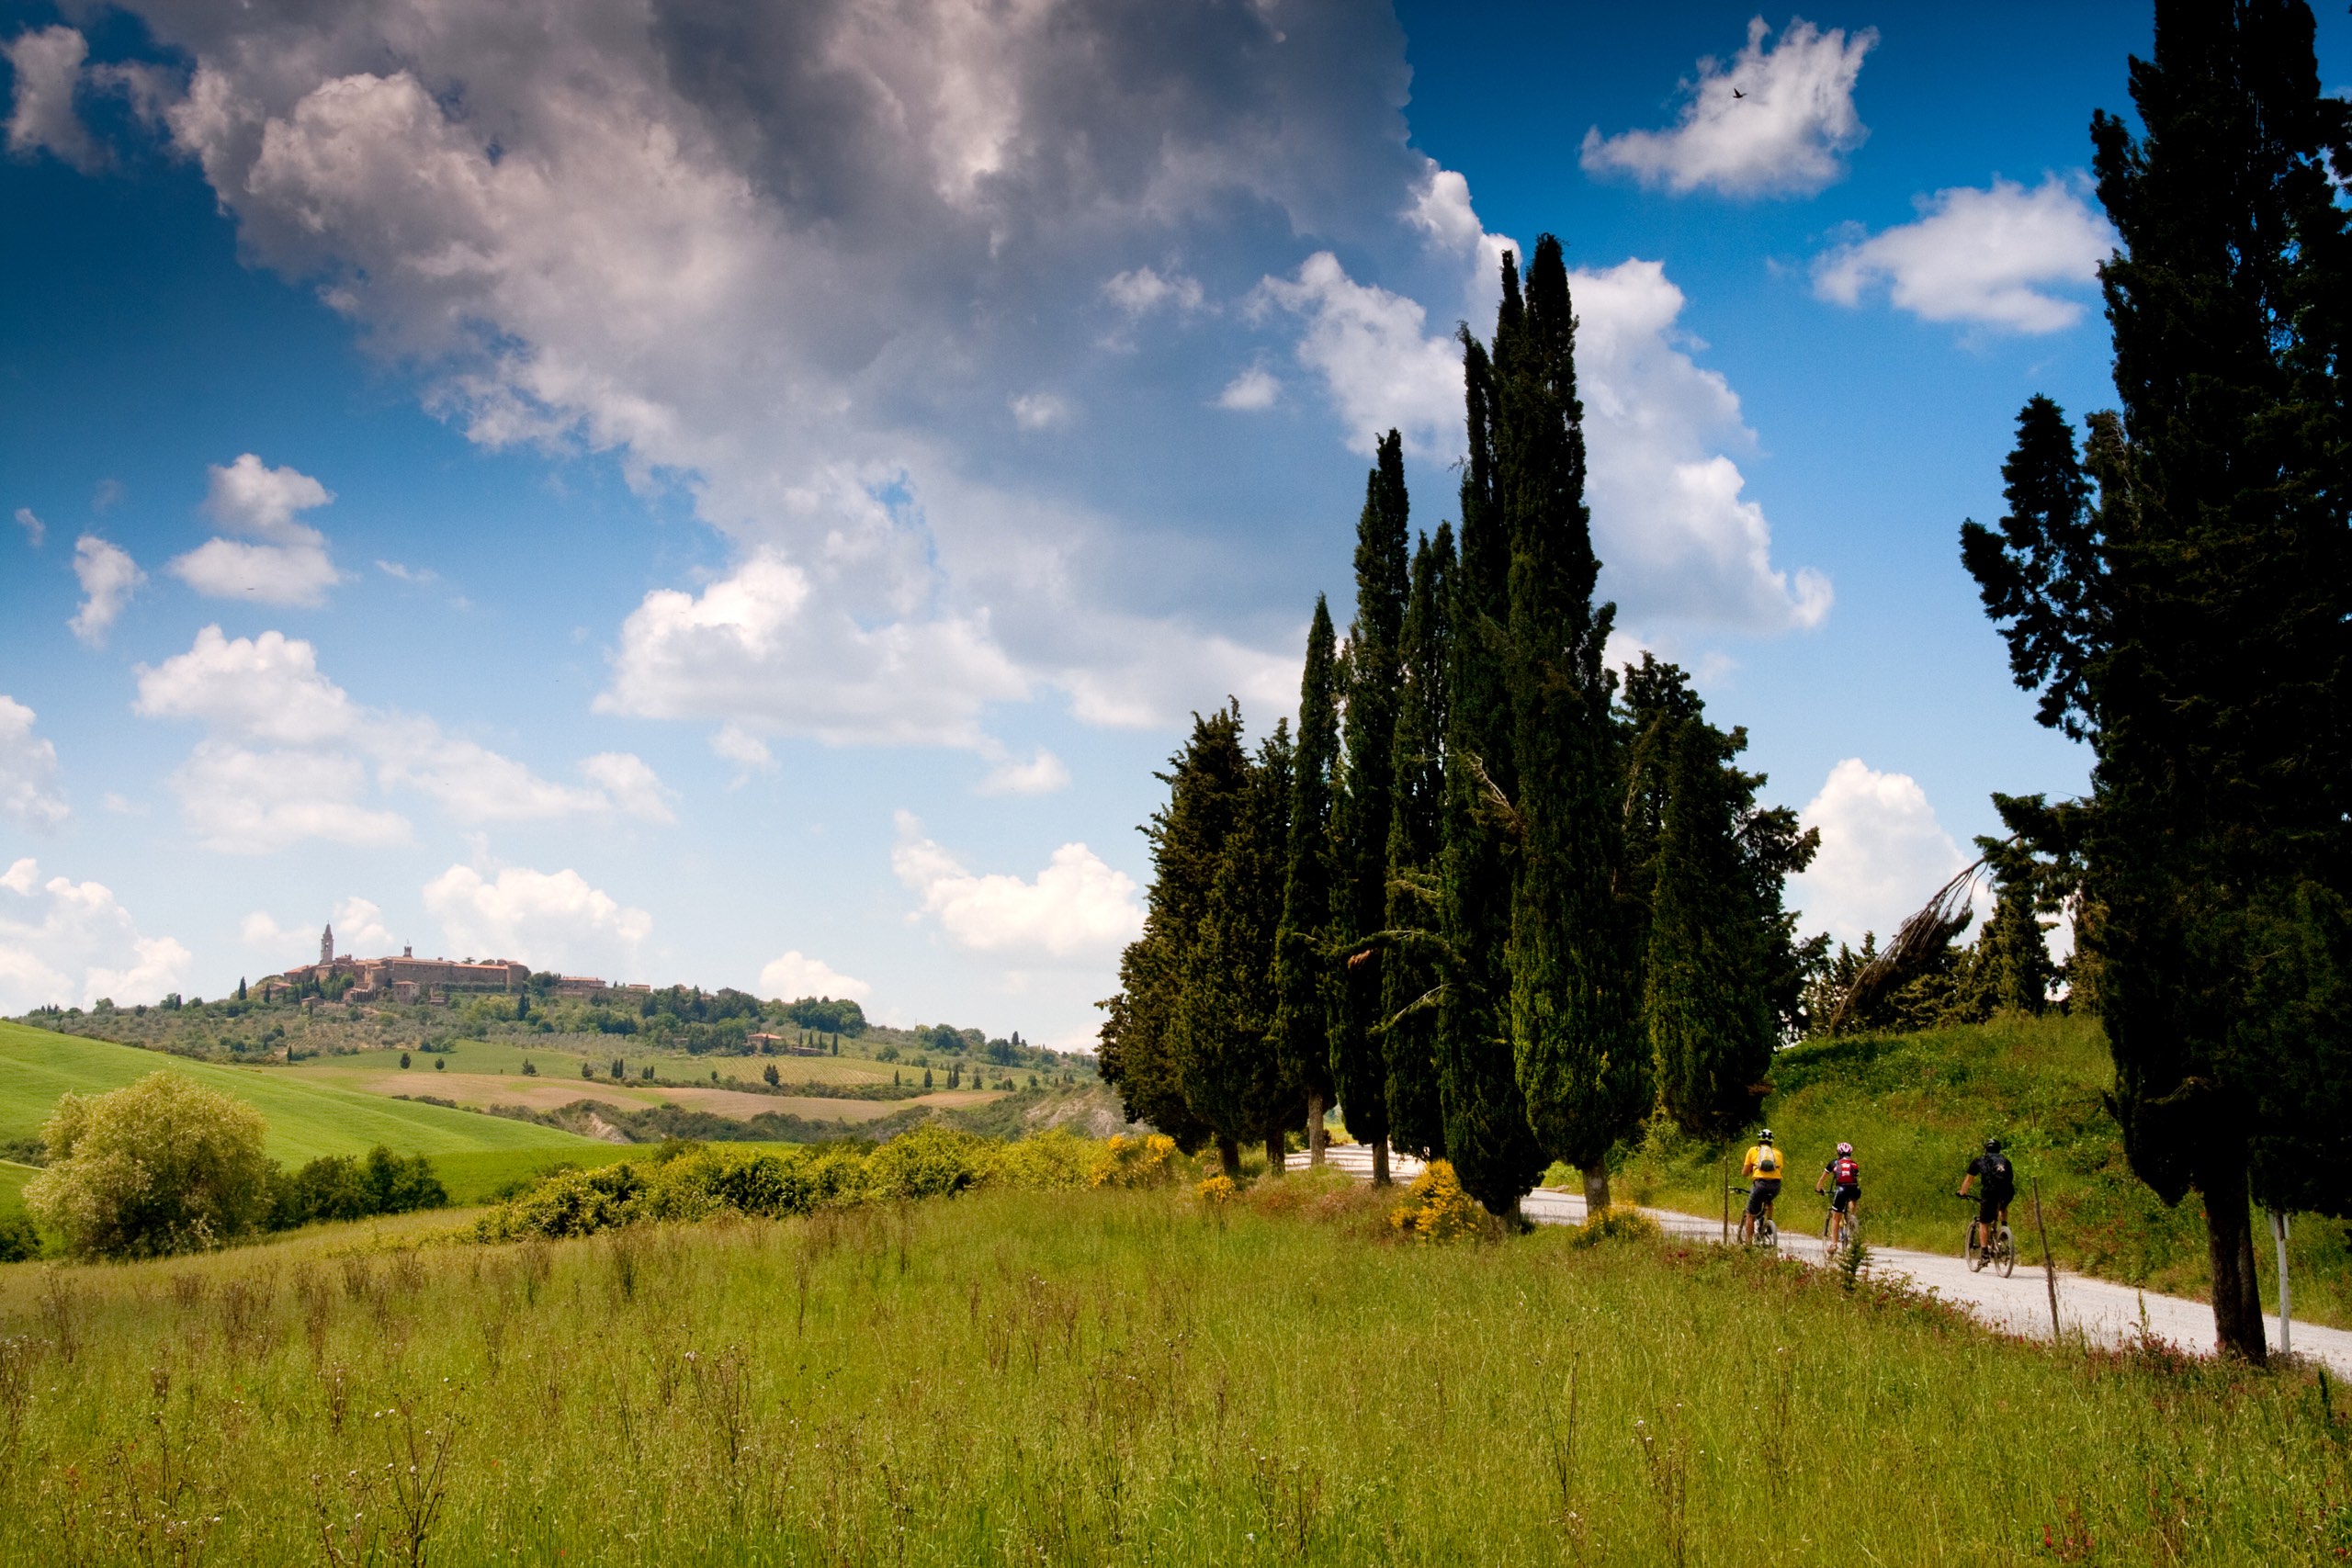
<point>306,1118</point>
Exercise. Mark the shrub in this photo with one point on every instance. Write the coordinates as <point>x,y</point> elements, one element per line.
<point>1054,1161</point>
<point>1148,1161</point>
<point>928,1162</point>
<point>1619,1221</point>
<point>1435,1207</point>
<point>1217,1189</point>
<point>161,1165</point>
<point>18,1240</point>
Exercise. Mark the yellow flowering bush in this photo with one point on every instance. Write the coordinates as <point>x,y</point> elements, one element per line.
<point>1148,1161</point>
<point>1435,1207</point>
<point>1619,1221</point>
<point>1217,1189</point>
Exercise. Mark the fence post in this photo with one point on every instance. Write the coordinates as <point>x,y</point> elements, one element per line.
<point>1723,1180</point>
<point>2278,1234</point>
<point>2048,1268</point>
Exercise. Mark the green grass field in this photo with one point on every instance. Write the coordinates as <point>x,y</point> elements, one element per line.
<point>1917,1106</point>
<point>307,1118</point>
<point>1106,1378</point>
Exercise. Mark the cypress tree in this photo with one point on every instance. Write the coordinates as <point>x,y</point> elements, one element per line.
<point>1205,782</point>
<point>1360,818</point>
<point>1711,1026</point>
<point>2194,626</point>
<point>1486,1134</point>
<point>1574,934</point>
<point>1229,1070</point>
<point>1302,1029</point>
<point>1409,977</point>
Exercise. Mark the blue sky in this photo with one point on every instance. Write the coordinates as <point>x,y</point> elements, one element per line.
<point>749,500</point>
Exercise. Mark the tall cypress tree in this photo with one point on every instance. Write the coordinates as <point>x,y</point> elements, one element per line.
<point>1486,1134</point>
<point>1583,1063</point>
<point>1710,1022</point>
<point>1138,1057</point>
<point>2195,627</point>
<point>1231,1075</point>
<point>1302,1028</point>
<point>1409,979</point>
<point>1361,817</point>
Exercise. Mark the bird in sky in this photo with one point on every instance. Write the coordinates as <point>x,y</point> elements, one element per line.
<point>1738,93</point>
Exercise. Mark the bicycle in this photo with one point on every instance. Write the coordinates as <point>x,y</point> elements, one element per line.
<point>1766,1234</point>
<point>1833,1241</point>
<point>2000,1252</point>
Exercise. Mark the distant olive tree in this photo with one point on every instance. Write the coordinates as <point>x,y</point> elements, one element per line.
<point>161,1165</point>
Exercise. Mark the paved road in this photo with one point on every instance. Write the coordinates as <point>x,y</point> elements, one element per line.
<point>2107,1313</point>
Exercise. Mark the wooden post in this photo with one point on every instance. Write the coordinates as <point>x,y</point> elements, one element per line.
<point>2048,1268</point>
<point>2279,1233</point>
<point>1723,1180</point>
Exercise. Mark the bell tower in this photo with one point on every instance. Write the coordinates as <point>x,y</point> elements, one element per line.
<point>326,947</point>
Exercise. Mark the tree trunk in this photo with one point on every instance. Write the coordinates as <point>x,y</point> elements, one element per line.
<point>1380,1162</point>
<point>1277,1161</point>
<point>1316,1136</point>
<point>2229,1237</point>
<point>1229,1154</point>
<point>1596,1192</point>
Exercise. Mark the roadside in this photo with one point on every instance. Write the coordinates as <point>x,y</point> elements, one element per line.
<point>2102,1311</point>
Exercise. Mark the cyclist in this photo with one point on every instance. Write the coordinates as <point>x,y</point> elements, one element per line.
<point>2000,1185</point>
<point>1762,1169</point>
<point>1844,1177</point>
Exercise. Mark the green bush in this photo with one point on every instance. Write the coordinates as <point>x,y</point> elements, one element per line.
<point>337,1187</point>
<point>18,1240</point>
<point>160,1165</point>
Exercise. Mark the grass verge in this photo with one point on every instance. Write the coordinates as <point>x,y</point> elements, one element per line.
<point>1105,1376</point>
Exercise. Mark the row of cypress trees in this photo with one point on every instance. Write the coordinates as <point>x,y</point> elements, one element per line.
<point>1501,905</point>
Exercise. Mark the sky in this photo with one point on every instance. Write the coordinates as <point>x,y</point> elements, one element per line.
<point>750,496</point>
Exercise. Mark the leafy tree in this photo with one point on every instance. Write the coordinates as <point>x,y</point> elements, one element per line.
<point>1302,1031</point>
<point>1410,975</point>
<point>1233,1077</point>
<point>771,1075</point>
<point>1361,814</point>
<point>1575,935</point>
<point>1486,1136</point>
<point>2192,624</point>
<point>1206,784</point>
<point>404,1061</point>
<point>161,1165</point>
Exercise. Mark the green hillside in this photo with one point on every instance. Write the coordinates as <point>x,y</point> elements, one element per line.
<point>1917,1106</point>
<point>307,1118</point>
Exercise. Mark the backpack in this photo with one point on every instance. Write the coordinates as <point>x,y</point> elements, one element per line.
<point>1846,1172</point>
<point>1768,1163</point>
<point>1998,1174</point>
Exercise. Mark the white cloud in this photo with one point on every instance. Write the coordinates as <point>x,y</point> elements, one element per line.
<point>1366,344</point>
<point>48,66</point>
<point>1077,908</point>
<point>549,921</point>
<point>35,529</point>
<point>1987,258</point>
<point>29,791</point>
<point>122,805</point>
<point>1039,411</point>
<point>290,566</point>
<point>733,743</point>
<point>1678,538</point>
<point>1252,391</point>
<point>755,647</point>
<point>108,578</point>
<point>73,943</point>
<point>1142,290</point>
<point>358,924</point>
<point>289,756</point>
<point>1778,121</point>
<point>1041,774</point>
<point>794,975</point>
<point>1883,854</point>
<point>408,573</point>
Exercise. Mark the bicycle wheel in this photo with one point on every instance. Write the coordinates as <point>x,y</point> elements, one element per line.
<point>2005,1257</point>
<point>1975,1258</point>
<point>1768,1235</point>
<point>1829,1236</point>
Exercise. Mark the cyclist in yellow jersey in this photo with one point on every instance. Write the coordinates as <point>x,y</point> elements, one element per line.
<point>1763,1168</point>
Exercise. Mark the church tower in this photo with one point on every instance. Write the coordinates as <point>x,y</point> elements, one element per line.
<point>326,946</point>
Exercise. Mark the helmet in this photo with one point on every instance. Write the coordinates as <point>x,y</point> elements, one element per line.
<point>1765,1136</point>
<point>1992,1146</point>
<point>1845,1148</point>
